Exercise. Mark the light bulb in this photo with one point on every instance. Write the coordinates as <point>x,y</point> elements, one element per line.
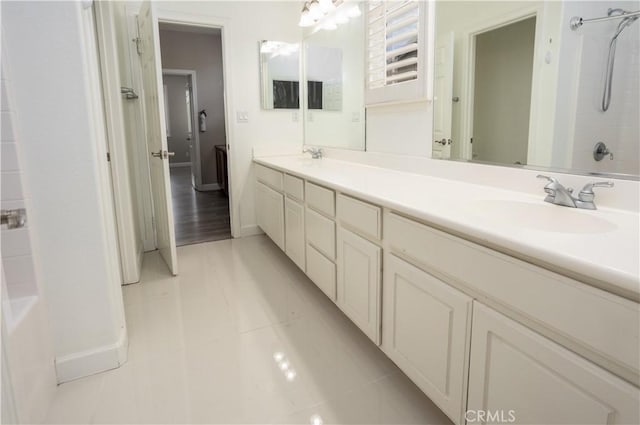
<point>305,19</point>
<point>329,25</point>
<point>314,10</point>
<point>291,375</point>
<point>326,5</point>
<point>316,420</point>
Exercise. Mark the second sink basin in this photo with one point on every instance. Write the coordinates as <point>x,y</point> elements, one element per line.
<point>542,216</point>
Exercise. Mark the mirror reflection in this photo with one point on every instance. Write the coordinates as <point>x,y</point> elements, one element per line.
<point>334,80</point>
<point>280,75</point>
<point>516,84</point>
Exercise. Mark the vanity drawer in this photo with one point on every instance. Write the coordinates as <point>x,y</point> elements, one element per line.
<point>294,187</point>
<point>321,199</point>
<point>321,233</point>
<point>269,177</point>
<point>321,271</point>
<point>360,216</point>
<point>579,316</point>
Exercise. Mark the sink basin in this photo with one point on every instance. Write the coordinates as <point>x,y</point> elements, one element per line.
<point>542,216</point>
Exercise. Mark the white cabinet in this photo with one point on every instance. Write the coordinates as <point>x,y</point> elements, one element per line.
<point>359,277</point>
<point>270,213</point>
<point>515,369</point>
<point>426,332</point>
<point>294,231</point>
<point>321,271</point>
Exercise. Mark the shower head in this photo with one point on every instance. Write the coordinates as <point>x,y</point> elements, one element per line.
<point>624,23</point>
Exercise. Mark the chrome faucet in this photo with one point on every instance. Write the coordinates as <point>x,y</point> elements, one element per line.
<point>560,195</point>
<point>316,153</point>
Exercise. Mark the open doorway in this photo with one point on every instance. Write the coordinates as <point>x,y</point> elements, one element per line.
<point>502,81</point>
<point>193,90</point>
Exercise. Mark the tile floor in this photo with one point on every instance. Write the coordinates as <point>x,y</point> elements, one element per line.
<point>241,336</point>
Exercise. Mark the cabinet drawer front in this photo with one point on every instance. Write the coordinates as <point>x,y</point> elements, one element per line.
<point>321,233</point>
<point>321,271</point>
<point>515,369</point>
<point>359,275</point>
<point>580,315</point>
<point>321,199</point>
<point>361,216</point>
<point>269,177</point>
<point>294,187</point>
<point>294,231</point>
<point>426,332</point>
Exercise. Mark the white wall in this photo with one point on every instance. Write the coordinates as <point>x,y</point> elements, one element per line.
<point>203,54</point>
<point>26,336</point>
<point>581,121</point>
<point>57,100</point>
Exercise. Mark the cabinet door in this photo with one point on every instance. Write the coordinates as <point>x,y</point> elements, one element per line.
<point>322,272</point>
<point>294,231</point>
<point>426,332</point>
<point>270,213</point>
<point>531,378</point>
<point>359,270</point>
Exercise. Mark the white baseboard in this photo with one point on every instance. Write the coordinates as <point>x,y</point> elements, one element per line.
<point>208,186</point>
<point>179,164</point>
<point>90,362</point>
<point>250,230</point>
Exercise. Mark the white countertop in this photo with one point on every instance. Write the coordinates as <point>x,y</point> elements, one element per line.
<point>607,258</point>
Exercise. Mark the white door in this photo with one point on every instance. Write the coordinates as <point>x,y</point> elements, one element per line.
<point>426,331</point>
<point>359,276</point>
<point>156,135</point>
<point>518,374</point>
<point>443,92</point>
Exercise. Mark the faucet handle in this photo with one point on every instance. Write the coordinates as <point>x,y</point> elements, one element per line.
<point>586,194</point>
<point>550,179</point>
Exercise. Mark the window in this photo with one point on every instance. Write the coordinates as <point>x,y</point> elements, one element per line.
<point>396,51</point>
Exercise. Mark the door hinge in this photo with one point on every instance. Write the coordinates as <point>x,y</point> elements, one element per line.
<point>138,42</point>
<point>108,156</point>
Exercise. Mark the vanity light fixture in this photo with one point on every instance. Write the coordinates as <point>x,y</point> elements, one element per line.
<point>327,14</point>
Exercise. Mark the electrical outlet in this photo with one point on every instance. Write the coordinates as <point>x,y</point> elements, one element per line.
<point>242,117</point>
<point>294,116</point>
<point>355,117</point>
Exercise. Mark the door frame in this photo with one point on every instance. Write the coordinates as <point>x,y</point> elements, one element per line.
<point>196,165</point>
<point>223,24</point>
<point>470,56</point>
<point>184,19</point>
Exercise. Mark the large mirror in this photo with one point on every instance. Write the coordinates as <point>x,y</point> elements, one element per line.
<point>516,84</point>
<point>333,75</point>
<point>279,75</point>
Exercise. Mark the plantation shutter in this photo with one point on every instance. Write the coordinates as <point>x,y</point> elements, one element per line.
<point>395,50</point>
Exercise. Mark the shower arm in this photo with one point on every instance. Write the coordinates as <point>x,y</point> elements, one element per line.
<point>576,22</point>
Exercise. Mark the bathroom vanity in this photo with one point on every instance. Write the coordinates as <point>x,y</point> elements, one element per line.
<point>480,309</point>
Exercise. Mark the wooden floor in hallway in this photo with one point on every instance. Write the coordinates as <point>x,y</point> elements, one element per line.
<point>198,216</point>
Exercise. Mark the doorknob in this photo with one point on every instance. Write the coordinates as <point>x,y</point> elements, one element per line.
<point>14,219</point>
<point>162,154</point>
